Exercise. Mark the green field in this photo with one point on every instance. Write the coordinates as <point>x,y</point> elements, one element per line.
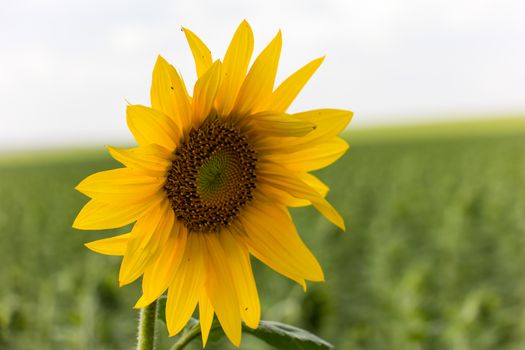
<point>433,258</point>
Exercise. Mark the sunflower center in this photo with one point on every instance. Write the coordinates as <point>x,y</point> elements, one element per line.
<point>212,176</point>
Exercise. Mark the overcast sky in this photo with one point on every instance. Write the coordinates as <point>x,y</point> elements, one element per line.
<point>68,67</point>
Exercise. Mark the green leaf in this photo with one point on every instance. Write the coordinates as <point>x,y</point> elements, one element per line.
<point>276,334</point>
<point>216,332</point>
<point>283,336</point>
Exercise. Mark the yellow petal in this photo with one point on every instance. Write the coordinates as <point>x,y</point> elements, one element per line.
<point>271,236</point>
<point>274,194</point>
<point>258,86</point>
<point>200,51</point>
<point>221,289</point>
<point>239,260</point>
<point>135,259</point>
<point>204,93</point>
<point>284,180</point>
<point>159,275</point>
<point>315,183</point>
<point>110,246</point>
<point>289,201</point>
<point>151,126</point>
<point>284,95</point>
<point>329,122</point>
<point>280,124</point>
<point>312,157</point>
<point>308,179</point>
<point>169,95</point>
<point>100,216</point>
<point>147,237</point>
<point>187,285</point>
<point>236,61</point>
<point>118,185</point>
<point>153,160</point>
<point>205,316</point>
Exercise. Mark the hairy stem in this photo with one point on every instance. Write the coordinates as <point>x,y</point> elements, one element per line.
<point>146,336</point>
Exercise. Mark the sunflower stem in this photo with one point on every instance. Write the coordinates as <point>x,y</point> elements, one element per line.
<point>187,337</point>
<point>146,336</point>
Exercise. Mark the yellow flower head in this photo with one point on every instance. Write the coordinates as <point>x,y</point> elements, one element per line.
<point>210,182</point>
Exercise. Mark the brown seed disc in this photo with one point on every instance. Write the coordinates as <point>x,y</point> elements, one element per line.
<point>212,176</point>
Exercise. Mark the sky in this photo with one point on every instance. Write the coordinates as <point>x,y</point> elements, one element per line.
<point>68,68</point>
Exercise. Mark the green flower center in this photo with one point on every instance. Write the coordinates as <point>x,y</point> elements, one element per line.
<point>212,176</point>
<point>215,175</point>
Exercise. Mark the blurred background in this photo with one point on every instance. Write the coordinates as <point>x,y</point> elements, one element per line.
<point>432,189</point>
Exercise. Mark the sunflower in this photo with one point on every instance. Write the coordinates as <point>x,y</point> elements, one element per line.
<point>210,183</point>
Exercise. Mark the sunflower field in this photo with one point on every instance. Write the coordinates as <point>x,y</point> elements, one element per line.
<point>433,256</point>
